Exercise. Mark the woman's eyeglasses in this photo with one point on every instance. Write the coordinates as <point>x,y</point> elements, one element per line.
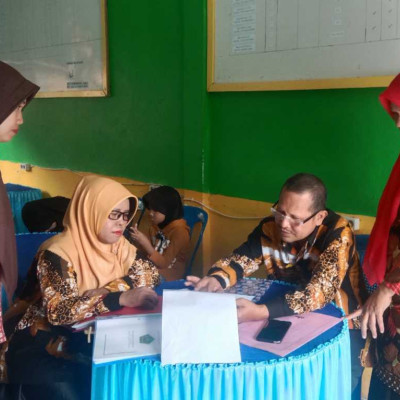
<point>114,215</point>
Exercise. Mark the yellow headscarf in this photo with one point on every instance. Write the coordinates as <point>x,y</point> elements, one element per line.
<point>94,262</point>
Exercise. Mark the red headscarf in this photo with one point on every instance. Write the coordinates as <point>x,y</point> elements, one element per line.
<point>375,258</point>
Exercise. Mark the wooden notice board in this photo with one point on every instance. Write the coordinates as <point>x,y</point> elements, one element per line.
<point>302,44</point>
<point>61,45</point>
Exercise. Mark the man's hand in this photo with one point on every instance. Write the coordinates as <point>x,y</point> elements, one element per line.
<point>206,284</point>
<point>96,292</point>
<point>249,311</point>
<point>139,297</point>
<point>373,309</point>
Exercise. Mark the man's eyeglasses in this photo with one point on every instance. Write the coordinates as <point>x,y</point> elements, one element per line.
<point>295,222</point>
<point>114,215</point>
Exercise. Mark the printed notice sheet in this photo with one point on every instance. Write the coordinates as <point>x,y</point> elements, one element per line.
<point>123,337</point>
<point>199,327</point>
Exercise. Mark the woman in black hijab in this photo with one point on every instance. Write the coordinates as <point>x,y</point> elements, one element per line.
<point>168,246</point>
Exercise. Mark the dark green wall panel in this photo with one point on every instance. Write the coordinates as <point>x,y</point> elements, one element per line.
<point>343,136</point>
<point>160,124</point>
<point>133,132</point>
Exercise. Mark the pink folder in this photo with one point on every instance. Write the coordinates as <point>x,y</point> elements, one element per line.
<point>304,328</point>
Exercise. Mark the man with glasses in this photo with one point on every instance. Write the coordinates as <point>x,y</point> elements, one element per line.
<point>303,243</point>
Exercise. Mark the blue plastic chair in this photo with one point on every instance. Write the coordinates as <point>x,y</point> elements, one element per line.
<point>361,246</point>
<point>193,216</point>
<point>27,247</point>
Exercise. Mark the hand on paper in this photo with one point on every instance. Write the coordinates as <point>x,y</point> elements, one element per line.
<point>373,309</point>
<point>139,297</point>
<point>206,284</point>
<point>96,292</point>
<point>249,311</point>
<point>141,239</point>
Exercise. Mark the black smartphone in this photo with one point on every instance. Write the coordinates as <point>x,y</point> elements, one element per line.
<point>274,331</point>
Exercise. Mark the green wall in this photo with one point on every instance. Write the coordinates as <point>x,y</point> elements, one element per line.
<point>132,132</point>
<point>160,125</point>
<point>343,136</point>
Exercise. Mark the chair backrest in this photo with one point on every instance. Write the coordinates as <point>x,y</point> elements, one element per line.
<point>27,247</point>
<point>193,216</point>
<point>361,246</point>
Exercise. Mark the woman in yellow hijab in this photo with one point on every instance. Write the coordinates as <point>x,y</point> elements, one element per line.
<point>88,269</point>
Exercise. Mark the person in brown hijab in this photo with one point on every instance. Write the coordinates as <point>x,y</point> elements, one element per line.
<point>15,93</point>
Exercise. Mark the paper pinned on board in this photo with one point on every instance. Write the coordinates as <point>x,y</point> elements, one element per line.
<point>304,328</point>
<point>199,327</point>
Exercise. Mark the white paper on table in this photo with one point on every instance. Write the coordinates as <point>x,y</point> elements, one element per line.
<point>199,327</point>
<point>237,295</point>
<point>122,337</point>
<point>242,296</point>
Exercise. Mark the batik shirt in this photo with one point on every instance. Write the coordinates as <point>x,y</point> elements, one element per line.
<point>53,295</point>
<point>324,266</point>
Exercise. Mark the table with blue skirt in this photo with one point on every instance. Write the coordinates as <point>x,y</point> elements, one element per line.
<point>18,196</point>
<point>320,369</point>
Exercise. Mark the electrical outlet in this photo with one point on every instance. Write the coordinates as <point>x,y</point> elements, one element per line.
<point>26,167</point>
<point>154,186</point>
<point>355,222</point>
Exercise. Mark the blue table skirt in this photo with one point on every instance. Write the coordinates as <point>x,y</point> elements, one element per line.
<point>320,369</point>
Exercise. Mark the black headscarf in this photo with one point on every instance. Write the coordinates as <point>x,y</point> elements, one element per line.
<point>166,200</point>
<point>14,89</point>
<point>39,215</point>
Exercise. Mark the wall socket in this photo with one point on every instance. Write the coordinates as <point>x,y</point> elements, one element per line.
<point>154,186</point>
<point>26,167</point>
<point>355,222</point>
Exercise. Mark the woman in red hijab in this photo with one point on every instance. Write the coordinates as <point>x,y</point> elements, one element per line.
<point>15,94</point>
<point>381,312</point>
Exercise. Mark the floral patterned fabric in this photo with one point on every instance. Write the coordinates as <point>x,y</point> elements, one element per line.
<point>52,289</point>
<point>326,267</point>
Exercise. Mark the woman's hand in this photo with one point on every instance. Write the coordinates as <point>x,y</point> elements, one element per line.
<point>373,309</point>
<point>139,297</point>
<point>96,292</point>
<point>141,239</point>
<point>249,311</point>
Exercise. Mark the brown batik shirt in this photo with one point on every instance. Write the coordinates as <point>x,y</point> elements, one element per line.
<point>53,295</point>
<point>325,266</point>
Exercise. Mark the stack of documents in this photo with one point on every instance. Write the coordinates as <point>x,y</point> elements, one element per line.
<point>196,327</point>
<point>199,327</point>
<point>119,338</point>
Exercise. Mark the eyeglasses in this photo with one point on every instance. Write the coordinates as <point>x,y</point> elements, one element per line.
<point>115,215</point>
<point>295,222</point>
